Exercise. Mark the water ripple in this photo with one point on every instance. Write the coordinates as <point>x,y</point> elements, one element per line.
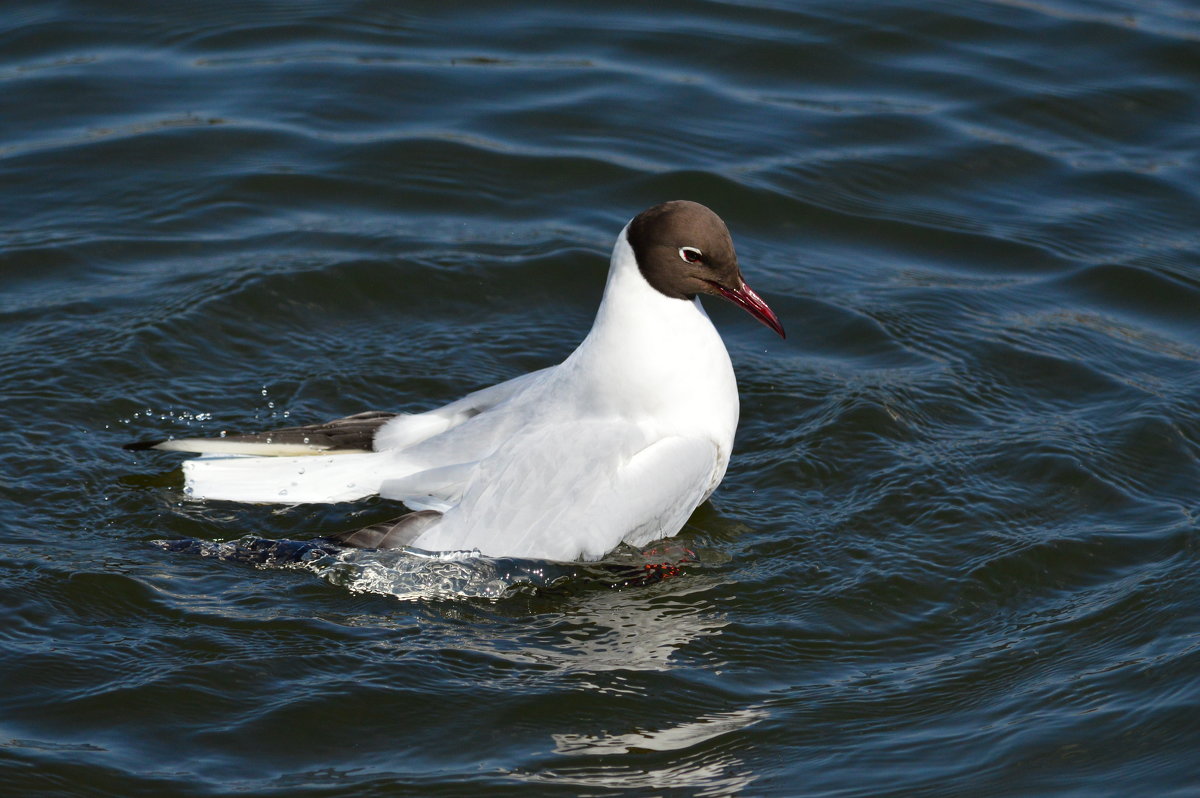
<point>954,551</point>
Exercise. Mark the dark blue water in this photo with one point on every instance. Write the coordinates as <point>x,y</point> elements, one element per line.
<point>956,551</point>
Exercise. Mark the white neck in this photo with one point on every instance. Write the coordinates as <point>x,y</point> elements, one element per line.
<point>657,355</point>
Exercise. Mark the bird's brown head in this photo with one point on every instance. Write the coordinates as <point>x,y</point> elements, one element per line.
<point>684,249</point>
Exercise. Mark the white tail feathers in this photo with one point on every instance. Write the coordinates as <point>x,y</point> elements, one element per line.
<point>284,480</point>
<point>223,446</point>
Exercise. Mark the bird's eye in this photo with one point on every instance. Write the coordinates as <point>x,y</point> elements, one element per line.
<point>691,254</point>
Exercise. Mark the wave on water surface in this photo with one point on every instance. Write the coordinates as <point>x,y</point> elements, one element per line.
<point>955,552</point>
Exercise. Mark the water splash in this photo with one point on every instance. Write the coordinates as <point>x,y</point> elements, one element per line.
<point>414,574</point>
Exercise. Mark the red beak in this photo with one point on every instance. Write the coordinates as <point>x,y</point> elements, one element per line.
<point>745,298</point>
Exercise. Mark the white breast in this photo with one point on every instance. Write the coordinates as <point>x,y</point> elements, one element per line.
<point>655,358</point>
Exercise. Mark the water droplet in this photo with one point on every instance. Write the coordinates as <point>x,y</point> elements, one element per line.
<point>223,433</point>
<point>306,439</point>
<point>188,490</point>
<point>283,492</point>
<point>264,390</point>
<point>301,471</point>
<point>270,404</point>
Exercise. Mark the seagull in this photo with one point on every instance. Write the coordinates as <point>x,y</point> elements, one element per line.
<point>619,443</point>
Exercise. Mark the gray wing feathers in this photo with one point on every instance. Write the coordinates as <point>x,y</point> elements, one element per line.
<point>351,434</point>
<point>651,490</point>
<point>394,534</point>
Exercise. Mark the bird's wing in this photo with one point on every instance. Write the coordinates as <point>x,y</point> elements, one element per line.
<point>437,488</point>
<point>342,435</point>
<point>429,472</point>
<point>363,432</point>
<point>575,491</point>
<point>406,430</point>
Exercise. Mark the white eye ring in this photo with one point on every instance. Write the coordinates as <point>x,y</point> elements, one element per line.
<point>691,254</point>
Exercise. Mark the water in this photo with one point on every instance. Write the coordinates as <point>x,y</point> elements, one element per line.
<point>956,550</point>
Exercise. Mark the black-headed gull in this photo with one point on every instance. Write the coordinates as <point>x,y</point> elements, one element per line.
<point>618,443</point>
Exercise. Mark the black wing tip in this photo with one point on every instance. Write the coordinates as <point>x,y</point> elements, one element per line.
<point>141,446</point>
